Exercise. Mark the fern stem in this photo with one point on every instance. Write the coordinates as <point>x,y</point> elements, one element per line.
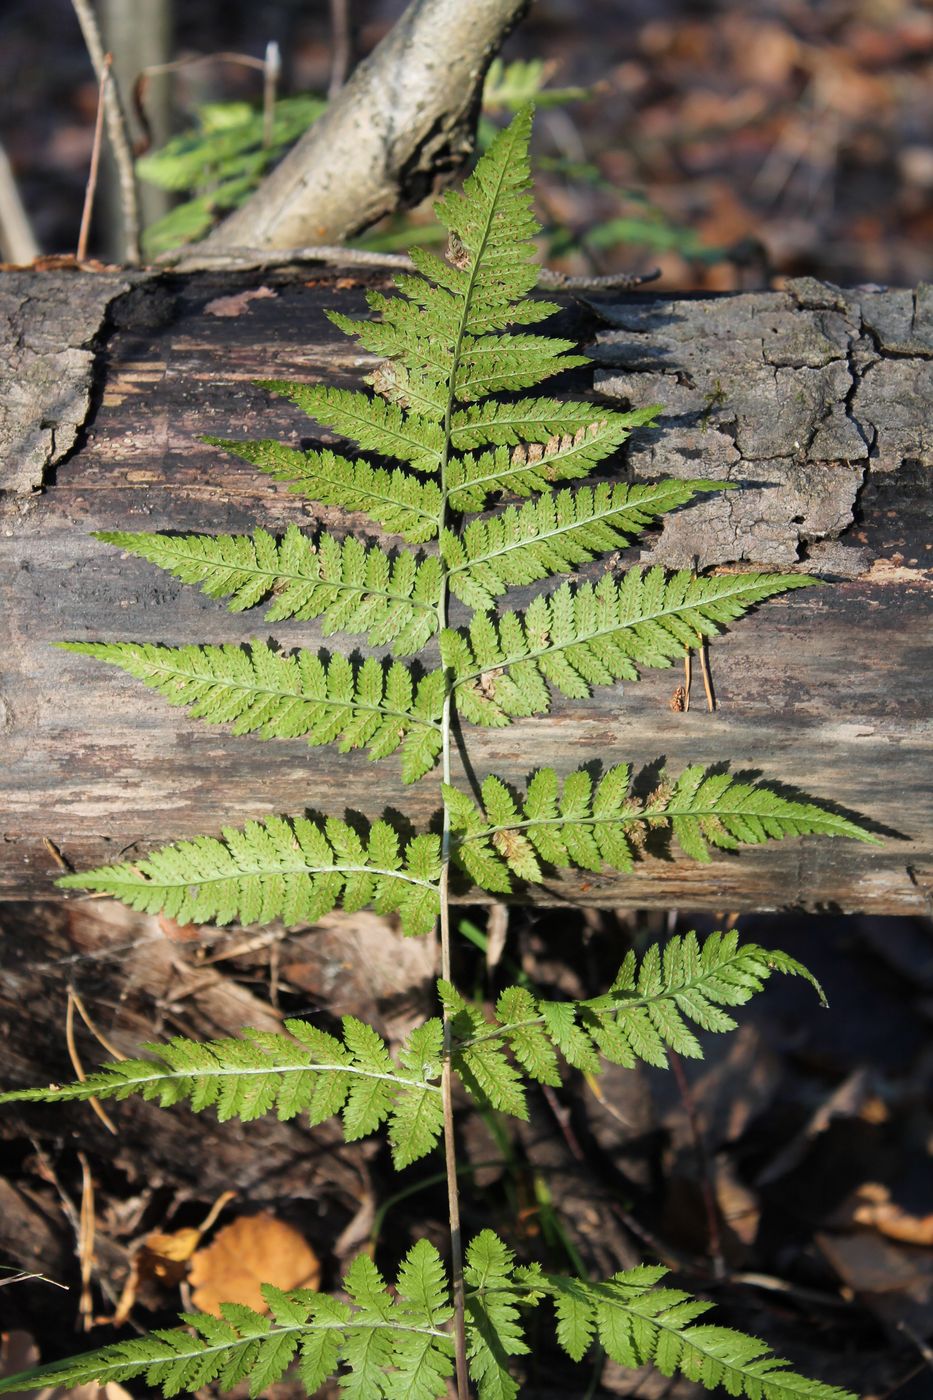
<point>91,1087</point>
<point>450,1147</point>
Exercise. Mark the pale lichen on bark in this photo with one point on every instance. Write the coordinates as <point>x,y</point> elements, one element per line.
<point>796,395</point>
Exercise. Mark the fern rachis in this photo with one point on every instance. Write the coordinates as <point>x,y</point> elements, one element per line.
<point>445,407</point>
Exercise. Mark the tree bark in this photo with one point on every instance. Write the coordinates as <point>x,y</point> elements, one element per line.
<point>405,122</point>
<point>814,400</point>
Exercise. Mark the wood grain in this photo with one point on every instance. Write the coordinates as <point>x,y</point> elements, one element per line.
<point>814,400</point>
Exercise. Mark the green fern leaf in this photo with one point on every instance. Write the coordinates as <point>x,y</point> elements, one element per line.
<point>375,424</point>
<point>392,1347</point>
<point>494,1331</point>
<point>285,697</point>
<point>478,1057</point>
<point>554,534</point>
<point>295,870</point>
<point>394,499</point>
<point>577,825</point>
<point>350,586</point>
<point>307,1071</point>
<point>546,442</point>
<point>640,1324</point>
<point>645,1013</point>
<point>575,639</point>
<point>442,332</point>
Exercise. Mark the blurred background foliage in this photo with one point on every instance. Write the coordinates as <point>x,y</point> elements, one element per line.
<point>728,143</point>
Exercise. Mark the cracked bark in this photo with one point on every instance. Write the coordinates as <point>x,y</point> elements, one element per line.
<point>813,399</point>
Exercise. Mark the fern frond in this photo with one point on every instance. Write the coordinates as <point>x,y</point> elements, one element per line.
<point>646,1011</point>
<point>575,824</point>
<point>442,333</point>
<point>639,1324</point>
<point>541,442</point>
<point>296,870</point>
<point>352,587</point>
<point>285,697</point>
<point>375,424</point>
<point>381,1345</point>
<point>578,638</point>
<point>553,534</point>
<point>401,503</point>
<point>494,1330</point>
<point>307,1071</point>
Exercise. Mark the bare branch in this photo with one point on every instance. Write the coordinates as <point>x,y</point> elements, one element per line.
<point>402,125</point>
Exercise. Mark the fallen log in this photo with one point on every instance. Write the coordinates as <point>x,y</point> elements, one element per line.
<point>813,399</point>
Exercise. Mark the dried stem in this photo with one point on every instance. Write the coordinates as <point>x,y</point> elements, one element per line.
<point>91,187</point>
<point>117,130</point>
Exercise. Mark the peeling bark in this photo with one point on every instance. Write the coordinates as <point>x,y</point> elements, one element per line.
<point>814,400</point>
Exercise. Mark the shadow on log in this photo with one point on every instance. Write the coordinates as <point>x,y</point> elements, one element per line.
<point>813,399</point>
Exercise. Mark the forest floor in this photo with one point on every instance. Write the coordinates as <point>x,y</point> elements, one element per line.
<point>786,1176</point>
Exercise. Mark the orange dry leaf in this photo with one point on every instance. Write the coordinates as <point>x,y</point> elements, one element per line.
<point>163,1258</point>
<point>251,1250</point>
<point>879,1211</point>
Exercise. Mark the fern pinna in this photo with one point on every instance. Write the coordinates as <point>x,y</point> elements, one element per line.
<point>448,407</point>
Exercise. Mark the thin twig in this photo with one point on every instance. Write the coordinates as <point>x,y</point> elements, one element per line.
<point>56,855</point>
<point>95,1032</point>
<point>260,259</point>
<point>117,131</point>
<point>924,1349</point>
<point>23,1277</point>
<point>91,187</point>
<point>153,70</point>
<point>76,1061</point>
<point>704,671</point>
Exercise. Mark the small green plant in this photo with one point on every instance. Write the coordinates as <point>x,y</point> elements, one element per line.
<point>448,406</point>
<point>219,162</point>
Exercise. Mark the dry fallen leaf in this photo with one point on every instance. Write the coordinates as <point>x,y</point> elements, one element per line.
<point>237,302</point>
<point>163,1258</point>
<point>884,1215</point>
<point>251,1250</point>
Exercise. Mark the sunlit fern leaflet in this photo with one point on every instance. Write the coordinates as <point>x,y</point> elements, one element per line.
<point>366,705</point>
<point>634,1320</point>
<point>293,869</point>
<point>308,1071</point>
<point>351,587</point>
<point>645,1012</point>
<point>576,822</point>
<point>576,638</point>
<point>396,1343</point>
